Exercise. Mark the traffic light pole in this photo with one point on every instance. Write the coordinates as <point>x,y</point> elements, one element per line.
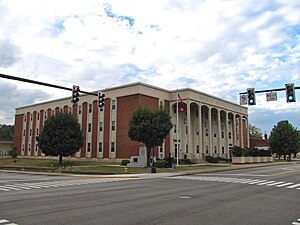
<point>42,83</point>
<point>270,90</point>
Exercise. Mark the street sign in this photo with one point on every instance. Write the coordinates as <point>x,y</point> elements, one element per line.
<point>243,99</point>
<point>271,96</point>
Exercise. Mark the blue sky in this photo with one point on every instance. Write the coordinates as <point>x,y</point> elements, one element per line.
<point>221,47</point>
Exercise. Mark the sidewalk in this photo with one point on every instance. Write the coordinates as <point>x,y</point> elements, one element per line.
<point>156,175</point>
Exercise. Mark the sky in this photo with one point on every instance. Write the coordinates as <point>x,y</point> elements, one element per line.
<point>220,47</point>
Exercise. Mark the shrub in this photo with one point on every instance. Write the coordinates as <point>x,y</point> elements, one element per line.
<point>160,163</point>
<point>237,151</point>
<point>254,152</point>
<point>211,159</point>
<point>125,162</point>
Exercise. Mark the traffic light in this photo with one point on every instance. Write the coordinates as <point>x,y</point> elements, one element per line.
<point>290,92</point>
<point>251,96</point>
<point>75,94</point>
<point>101,98</point>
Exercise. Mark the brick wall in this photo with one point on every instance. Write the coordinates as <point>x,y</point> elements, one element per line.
<point>18,128</point>
<point>125,107</point>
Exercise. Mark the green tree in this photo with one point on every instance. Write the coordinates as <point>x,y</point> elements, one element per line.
<point>284,139</point>
<point>61,136</point>
<point>255,132</point>
<point>149,126</point>
<point>6,132</point>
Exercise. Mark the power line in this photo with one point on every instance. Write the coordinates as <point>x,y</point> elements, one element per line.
<point>43,83</point>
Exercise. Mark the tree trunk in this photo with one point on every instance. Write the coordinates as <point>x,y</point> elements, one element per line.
<point>148,155</point>
<point>60,160</point>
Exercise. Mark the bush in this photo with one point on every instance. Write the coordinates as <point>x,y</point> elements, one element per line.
<point>237,151</point>
<point>125,162</point>
<point>254,152</point>
<point>160,163</point>
<point>211,159</point>
<point>14,152</point>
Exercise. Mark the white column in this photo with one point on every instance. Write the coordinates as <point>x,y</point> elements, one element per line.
<point>226,134</point>
<point>234,129</point>
<point>201,145</point>
<point>241,132</point>
<point>189,132</point>
<point>219,133</point>
<point>210,135</point>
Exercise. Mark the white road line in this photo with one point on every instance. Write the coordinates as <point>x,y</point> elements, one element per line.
<point>285,184</point>
<point>269,182</point>
<point>276,183</point>
<point>258,181</point>
<point>293,186</point>
<point>4,221</point>
<point>296,223</point>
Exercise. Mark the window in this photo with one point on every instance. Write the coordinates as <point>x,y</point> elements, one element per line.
<point>38,116</point>
<point>186,149</point>
<point>215,147</point>
<point>175,128</point>
<point>161,149</point>
<point>198,148</point>
<point>23,147</point>
<point>37,132</point>
<point>112,147</point>
<point>197,131</point>
<point>113,104</point>
<point>100,147</point>
<point>176,149</point>
<point>100,126</point>
<point>215,135</point>
<point>229,122</point>
<point>45,116</point>
<point>25,118</point>
<point>30,131</point>
<point>135,160</point>
<point>161,104</point>
<point>24,132</point>
<point>30,117</point>
<point>222,134</point>
<point>206,149</point>
<point>113,125</point>
<point>214,117</point>
<point>223,150</point>
<point>186,129</point>
<point>89,147</point>
<point>29,147</point>
<point>206,132</point>
<point>197,113</point>
<point>90,127</point>
<point>36,147</point>
<point>229,135</point>
<point>79,109</point>
<point>90,108</point>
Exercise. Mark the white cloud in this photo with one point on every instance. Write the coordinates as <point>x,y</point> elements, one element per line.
<point>219,47</point>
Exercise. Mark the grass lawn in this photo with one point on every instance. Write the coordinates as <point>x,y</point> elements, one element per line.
<point>96,167</point>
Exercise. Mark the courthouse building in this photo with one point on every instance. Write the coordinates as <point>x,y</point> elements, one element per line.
<point>209,126</point>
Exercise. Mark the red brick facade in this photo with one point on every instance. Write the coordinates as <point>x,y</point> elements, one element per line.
<point>120,103</point>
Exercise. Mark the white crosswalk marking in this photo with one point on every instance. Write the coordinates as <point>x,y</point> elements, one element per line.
<point>293,186</point>
<point>285,184</point>
<point>267,183</point>
<point>53,184</point>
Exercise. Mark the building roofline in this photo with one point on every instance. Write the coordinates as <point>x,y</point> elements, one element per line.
<point>131,85</point>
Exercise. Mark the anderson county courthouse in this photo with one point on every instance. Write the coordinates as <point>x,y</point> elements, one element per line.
<point>210,125</point>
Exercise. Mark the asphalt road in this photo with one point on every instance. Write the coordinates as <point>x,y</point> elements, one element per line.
<point>257,196</point>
